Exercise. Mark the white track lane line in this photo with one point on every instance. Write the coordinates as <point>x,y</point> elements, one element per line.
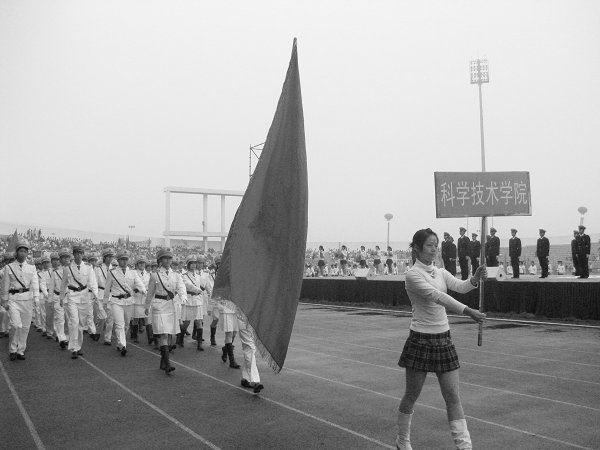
<point>34,435</point>
<point>460,348</point>
<point>462,362</point>
<point>154,407</point>
<point>477,419</point>
<point>505,391</point>
<point>396,340</point>
<point>504,341</point>
<point>282,405</point>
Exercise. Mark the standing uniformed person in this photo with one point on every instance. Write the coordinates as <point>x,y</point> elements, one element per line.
<point>464,248</point>
<point>445,251</point>
<point>163,286</point>
<point>102,311</point>
<point>475,252</point>
<point>20,289</point>
<point>77,279</point>
<point>492,249</point>
<point>574,244</point>
<point>451,256</point>
<point>514,252</point>
<point>542,252</point>
<point>584,247</point>
<point>92,259</point>
<point>122,283</point>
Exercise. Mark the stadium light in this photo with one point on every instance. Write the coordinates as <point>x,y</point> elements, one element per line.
<point>388,217</point>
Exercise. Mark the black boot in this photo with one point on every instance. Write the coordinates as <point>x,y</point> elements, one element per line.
<point>180,335</point>
<point>199,340</point>
<point>232,362</point>
<point>224,354</point>
<point>170,342</point>
<point>131,329</point>
<point>149,334</point>
<point>213,332</point>
<point>134,333</point>
<point>167,364</point>
<point>194,330</point>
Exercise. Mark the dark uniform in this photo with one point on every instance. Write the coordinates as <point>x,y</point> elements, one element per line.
<point>451,266</point>
<point>474,252</point>
<point>464,249</point>
<point>542,252</point>
<point>492,249</point>
<point>446,251</point>
<point>574,252</point>
<point>514,251</point>
<point>584,247</point>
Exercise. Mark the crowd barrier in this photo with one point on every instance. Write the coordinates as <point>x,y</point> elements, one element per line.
<point>551,299</point>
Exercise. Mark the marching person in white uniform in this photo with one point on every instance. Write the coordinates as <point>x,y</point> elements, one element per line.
<point>250,375</point>
<point>139,299</point>
<point>92,303</point>
<point>54,264</point>
<point>164,285</point>
<point>121,285</point>
<point>195,308</point>
<point>44,276</point>
<point>54,292</point>
<point>4,260</point>
<point>102,311</point>
<point>77,278</point>
<point>20,289</point>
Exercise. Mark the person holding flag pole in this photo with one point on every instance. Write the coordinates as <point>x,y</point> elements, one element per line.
<point>429,347</point>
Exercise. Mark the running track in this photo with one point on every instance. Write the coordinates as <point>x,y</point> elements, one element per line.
<point>528,387</point>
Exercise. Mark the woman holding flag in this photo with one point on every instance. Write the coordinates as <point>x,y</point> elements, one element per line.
<point>429,347</point>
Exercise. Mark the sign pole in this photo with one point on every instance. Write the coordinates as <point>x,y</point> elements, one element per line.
<point>481,282</point>
<point>480,74</point>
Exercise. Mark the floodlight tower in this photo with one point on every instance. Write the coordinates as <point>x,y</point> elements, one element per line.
<point>480,74</point>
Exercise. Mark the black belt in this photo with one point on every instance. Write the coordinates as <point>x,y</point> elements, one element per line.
<point>122,296</point>
<point>18,291</point>
<point>162,297</point>
<point>56,293</point>
<point>76,289</point>
<point>194,293</point>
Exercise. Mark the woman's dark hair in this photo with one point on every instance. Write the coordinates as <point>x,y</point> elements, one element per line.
<point>321,248</point>
<point>420,237</point>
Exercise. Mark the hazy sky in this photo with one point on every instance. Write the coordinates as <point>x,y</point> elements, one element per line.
<point>104,103</point>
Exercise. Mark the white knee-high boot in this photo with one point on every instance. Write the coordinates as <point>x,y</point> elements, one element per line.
<point>460,434</point>
<point>403,438</point>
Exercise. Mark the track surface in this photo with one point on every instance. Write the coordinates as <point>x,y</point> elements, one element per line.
<point>528,387</point>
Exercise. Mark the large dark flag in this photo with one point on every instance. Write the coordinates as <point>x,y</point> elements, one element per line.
<point>262,263</point>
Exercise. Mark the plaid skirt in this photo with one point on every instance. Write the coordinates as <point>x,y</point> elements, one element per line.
<point>429,353</point>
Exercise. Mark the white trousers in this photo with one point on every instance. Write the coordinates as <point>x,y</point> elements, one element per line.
<point>103,311</point>
<point>20,313</point>
<point>59,321</point>
<point>249,369</point>
<point>49,307</point>
<point>121,315</point>
<point>4,320</point>
<point>78,316</point>
<point>41,315</point>
<point>90,325</point>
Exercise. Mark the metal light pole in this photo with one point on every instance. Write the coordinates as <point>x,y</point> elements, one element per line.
<point>581,210</point>
<point>480,74</point>
<point>131,227</point>
<point>388,217</point>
